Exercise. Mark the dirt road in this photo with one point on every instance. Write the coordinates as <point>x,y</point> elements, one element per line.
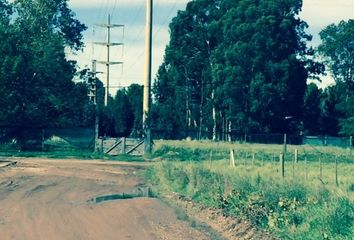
<point>58,199</point>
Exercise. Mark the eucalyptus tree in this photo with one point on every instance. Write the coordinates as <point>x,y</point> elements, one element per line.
<point>239,65</point>
<point>337,49</point>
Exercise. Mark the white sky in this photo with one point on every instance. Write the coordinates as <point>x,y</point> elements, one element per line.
<point>131,13</point>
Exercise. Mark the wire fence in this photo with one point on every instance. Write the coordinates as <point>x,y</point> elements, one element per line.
<point>47,139</point>
<point>267,138</point>
<point>302,163</point>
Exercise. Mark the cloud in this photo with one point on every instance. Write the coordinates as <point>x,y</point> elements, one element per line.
<point>320,13</point>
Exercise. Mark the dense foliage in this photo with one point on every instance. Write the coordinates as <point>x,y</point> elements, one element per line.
<point>123,115</point>
<point>234,65</point>
<point>35,76</point>
<point>337,48</point>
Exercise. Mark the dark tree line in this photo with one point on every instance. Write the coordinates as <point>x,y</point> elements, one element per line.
<point>122,117</point>
<point>243,66</point>
<point>36,79</point>
<point>230,65</point>
<point>237,65</point>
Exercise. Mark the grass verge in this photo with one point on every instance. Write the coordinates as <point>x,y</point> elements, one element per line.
<point>291,208</point>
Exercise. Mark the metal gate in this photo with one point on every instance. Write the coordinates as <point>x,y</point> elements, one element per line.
<point>121,146</point>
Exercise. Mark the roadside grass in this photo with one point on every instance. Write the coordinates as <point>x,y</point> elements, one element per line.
<point>303,205</point>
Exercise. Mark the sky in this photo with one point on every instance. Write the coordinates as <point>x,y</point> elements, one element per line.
<point>131,13</point>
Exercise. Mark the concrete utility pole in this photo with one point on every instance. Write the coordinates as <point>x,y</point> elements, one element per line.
<point>108,44</point>
<point>147,79</point>
<point>97,120</point>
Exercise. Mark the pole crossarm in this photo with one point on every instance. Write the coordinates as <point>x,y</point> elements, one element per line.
<point>109,25</point>
<point>109,63</point>
<point>108,44</point>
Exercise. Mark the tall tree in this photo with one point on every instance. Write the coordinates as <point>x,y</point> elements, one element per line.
<point>330,114</point>
<point>312,110</point>
<point>35,75</point>
<point>135,98</point>
<point>261,64</point>
<point>337,48</point>
<point>182,88</point>
<point>122,113</point>
<point>234,64</point>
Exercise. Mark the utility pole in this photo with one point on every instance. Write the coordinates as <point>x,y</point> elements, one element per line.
<point>95,101</point>
<point>108,44</point>
<point>147,79</point>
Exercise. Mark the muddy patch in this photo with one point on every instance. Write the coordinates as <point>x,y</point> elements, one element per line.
<point>4,163</point>
<point>138,192</point>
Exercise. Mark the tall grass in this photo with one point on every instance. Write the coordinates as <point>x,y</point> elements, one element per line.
<point>303,205</point>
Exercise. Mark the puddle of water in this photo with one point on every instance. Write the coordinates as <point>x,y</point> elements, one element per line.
<point>136,193</point>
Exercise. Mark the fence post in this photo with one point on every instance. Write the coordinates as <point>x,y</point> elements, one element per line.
<point>284,147</point>
<point>43,139</point>
<point>123,145</point>
<point>211,157</point>
<point>282,164</point>
<point>101,147</point>
<point>294,166</point>
<point>306,173</point>
<point>232,158</point>
<point>320,162</point>
<point>253,157</point>
<point>325,140</point>
<point>296,158</point>
<point>336,171</point>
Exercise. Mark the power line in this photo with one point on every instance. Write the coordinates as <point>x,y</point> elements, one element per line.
<point>168,17</point>
<point>114,8</point>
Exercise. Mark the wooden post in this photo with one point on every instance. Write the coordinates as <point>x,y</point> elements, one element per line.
<point>336,171</point>
<point>282,165</point>
<point>320,165</point>
<point>295,160</point>
<point>101,147</point>
<point>306,173</point>
<point>43,138</point>
<point>232,158</point>
<point>211,159</point>
<point>123,145</point>
<point>296,157</point>
<point>325,140</point>
<point>284,145</point>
